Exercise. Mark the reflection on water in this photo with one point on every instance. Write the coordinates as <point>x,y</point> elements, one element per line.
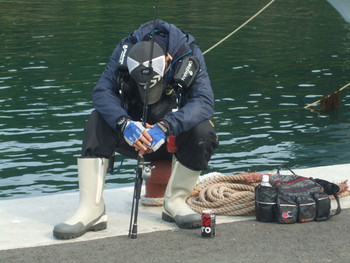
<point>53,53</point>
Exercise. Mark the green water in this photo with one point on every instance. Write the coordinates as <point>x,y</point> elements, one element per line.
<point>53,52</point>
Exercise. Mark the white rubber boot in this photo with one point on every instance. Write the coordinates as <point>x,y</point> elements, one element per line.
<point>91,214</point>
<point>180,185</point>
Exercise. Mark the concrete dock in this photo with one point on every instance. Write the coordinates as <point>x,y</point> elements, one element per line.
<point>26,233</point>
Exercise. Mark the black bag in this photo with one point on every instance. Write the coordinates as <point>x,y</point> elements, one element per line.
<point>294,198</point>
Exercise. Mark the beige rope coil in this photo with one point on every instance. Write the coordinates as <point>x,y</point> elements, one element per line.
<point>228,195</point>
<point>152,201</point>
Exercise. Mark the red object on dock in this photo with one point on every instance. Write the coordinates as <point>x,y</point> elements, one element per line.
<point>157,183</point>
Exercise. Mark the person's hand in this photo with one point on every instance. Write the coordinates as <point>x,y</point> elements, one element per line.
<point>143,152</point>
<point>142,145</point>
<point>133,132</point>
<point>145,140</point>
<point>158,136</point>
<point>137,136</point>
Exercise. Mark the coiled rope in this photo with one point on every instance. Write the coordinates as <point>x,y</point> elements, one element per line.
<point>151,201</point>
<point>227,195</point>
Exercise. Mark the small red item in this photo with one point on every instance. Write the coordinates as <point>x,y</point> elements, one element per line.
<point>171,144</point>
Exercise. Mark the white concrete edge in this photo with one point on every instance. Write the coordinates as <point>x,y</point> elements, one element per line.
<point>28,222</point>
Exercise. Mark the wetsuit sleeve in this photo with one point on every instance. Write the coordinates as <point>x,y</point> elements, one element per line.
<point>200,103</point>
<point>104,96</point>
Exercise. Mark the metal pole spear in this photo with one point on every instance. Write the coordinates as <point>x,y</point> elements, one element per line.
<point>141,168</point>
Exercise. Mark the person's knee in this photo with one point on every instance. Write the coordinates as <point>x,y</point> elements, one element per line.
<point>204,135</point>
<point>99,139</point>
<point>197,146</point>
<point>202,129</point>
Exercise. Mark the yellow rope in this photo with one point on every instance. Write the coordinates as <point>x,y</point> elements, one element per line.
<point>318,101</point>
<point>234,31</point>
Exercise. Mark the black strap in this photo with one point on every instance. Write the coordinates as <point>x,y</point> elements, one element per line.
<point>330,189</point>
<point>286,166</point>
<point>338,202</point>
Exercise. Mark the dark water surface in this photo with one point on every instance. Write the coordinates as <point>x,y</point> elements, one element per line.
<point>53,52</point>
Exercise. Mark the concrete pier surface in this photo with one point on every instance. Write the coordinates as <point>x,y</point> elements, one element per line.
<point>26,233</point>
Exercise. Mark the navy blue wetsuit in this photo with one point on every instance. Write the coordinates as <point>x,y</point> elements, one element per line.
<point>195,135</point>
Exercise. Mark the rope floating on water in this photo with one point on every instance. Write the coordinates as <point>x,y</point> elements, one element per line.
<point>330,101</point>
<point>238,28</point>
